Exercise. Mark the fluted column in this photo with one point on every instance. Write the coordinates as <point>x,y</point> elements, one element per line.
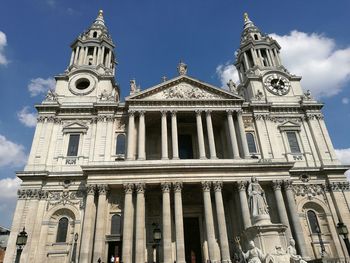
<point>220,211</point>
<point>179,225</point>
<point>100,231</point>
<point>233,137</point>
<point>174,138</point>
<point>128,223</point>
<point>242,185</point>
<point>209,221</point>
<point>242,134</point>
<point>294,216</point>
<point>141,135</point>
<point>282,212</point>
<point>164,136</point>
<point>140,224</point>
<point>131,136</point>
<point>211,137</point>
<point>200,135</point>
<point>72,58</point>
<point>167,249</point>
<point>76,55</point>
<point>86,241</point>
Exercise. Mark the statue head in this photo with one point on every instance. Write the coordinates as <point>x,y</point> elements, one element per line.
<point>292,242</point>
<point>251,244</point>
<point>254,180</point>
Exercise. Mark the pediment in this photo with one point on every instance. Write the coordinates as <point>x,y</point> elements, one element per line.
<point>75,127</point>
<point>289,126</point>
<point>184,88</point>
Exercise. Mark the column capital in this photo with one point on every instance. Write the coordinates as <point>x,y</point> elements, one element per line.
<point>198,112</point>
<point>229,112</point>
<point>239,111</point>
<point>288,184</point>
<point>177,186</point>
<point>128,188</point>
<point>165,187</point>
<point>242,185</point>
<point>208,112</point>
<point>173,113</point>
<point>142,113</point>
<point>277,184</point>
<point>163,113</point>
<point>131,112</point>
<point>140,188</point>
<point>206,186</point>
<point>102,189</point>
<point>90,189</point>
<point>218,186</point>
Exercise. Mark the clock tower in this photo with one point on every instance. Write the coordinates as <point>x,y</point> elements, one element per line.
<point>262,74</point>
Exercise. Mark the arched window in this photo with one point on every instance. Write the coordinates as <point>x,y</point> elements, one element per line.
<point>94,34</point>
<point>313,222</point>
<point>116,224</point>
<point>256,37</point>
<point>251,142</point>
<point>62,230</point>
<point>120,147</point>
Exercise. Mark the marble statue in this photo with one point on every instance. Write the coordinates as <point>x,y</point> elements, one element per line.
<point>254,254</point>
<point>257,201</point>
<point>182,68</point>
<point>51,95</point>
<point>232,86</point>
<point>294,257</point>
<point>133,87</point>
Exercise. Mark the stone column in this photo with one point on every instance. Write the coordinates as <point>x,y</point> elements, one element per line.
<point>233,137</point>
<point>88,227</point>
<point>77,49</point>
<point>94,57</point>
<point>179,225</point>
<point>211,138</point>
<point>131,136</point>
<point>141,135</point>
<point>242,134</point>
<point>220,211</point>
<point>200,135</point>
<point>140,224</point>
<point>242,185</point>
<point>100,231</point>
<point>209,221</point>
<point>167,249</point>
<point>298,231</point>
<point>164,136</point>
<point>72,58</point>
<point>282,212</point>
<point>174,139</point>
<point>102,55</point>
<point>128,223</point>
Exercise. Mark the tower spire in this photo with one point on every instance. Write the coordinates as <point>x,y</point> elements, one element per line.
<point>99,19</point>
<point>247,21</point>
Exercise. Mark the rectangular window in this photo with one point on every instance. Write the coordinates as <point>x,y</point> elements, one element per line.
<point>120,147</point>
<point>293,142</point>
<point>73,145</point>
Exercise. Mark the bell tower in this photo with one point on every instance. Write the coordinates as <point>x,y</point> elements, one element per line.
<point>261,72</point>
<point>90,76</point>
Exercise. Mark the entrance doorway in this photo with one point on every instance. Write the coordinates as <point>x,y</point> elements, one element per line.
<point>115,250</point>
<point>193,250</point>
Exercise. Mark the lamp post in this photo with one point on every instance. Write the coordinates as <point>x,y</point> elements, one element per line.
<point>323,249</point>
<point>20,243</point>
<point>342,230</point>
<point>157,237</point>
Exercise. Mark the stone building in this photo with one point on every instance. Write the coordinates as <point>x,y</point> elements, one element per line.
<point>202,166</point>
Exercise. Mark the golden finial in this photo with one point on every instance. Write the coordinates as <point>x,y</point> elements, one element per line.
<point>246,17</point>
<point>100,12</point>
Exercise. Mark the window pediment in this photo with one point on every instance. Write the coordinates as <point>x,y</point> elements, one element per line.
<point>289,126</point>
<point>75,127</point>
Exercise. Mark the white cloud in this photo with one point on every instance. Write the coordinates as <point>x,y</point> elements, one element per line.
<point>344,157</point>
<point>40,86</point>
<point>345,100</point>
<point>9,187</point>
<point>324,67</point>
<point>3,43</point>
<point>8,198</point>
<point>26,117</point>
<point>11,153</point>
<point>227,72</point>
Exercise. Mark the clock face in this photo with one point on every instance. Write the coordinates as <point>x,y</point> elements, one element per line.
<point>277,84</point>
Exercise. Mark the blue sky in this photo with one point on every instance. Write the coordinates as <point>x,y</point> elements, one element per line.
<point>151,37</point>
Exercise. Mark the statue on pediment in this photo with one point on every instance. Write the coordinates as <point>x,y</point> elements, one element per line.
<point>232,86</point>
<point>133,87</point>
<point>51,95</point>
<point>182,68</point>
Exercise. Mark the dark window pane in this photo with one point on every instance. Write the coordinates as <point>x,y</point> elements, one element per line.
<point>311,216</point>
<point>120,149</point>
<point>185,146</point>
<point>116,225</point>
<point>251,143</point>
<point>62,230</point>
<point>73,145</point>
<point>293,142</point>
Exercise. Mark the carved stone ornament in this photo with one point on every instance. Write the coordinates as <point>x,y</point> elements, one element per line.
<point>339,186</point>
<point>277,184</point>
<point>102,189</point>
<point>288,184</point>
<point>31,194</point>
<point>51,96</point>
<point>65,197</point>
<point>177,186</point>
<point>165,187</point>
<point>242,185</point>
<point>206,186</point>
<point>232,86</point>
<point>128,188</point>
<point>140,188</point>
<point>187,91</point>
<point>182,68</point>
<point>308,190</point>
<point>106,96</point>
<point>218,186</point>
<point>90,189</point>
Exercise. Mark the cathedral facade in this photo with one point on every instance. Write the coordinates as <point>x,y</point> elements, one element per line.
<point>183,171</point>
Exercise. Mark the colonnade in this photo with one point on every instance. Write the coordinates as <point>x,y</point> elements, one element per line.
<point>233,117</point>
<point>134,239</point>
<point>80,56</point>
